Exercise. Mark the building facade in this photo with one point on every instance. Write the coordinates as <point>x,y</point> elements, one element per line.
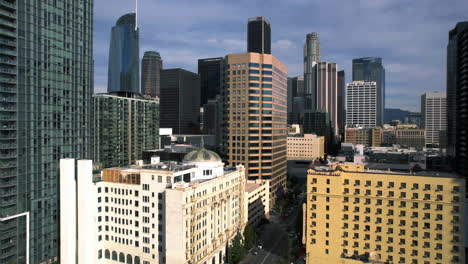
<point>370,69</point>
<point>124,56</point>
<point>457,97</point>
<point>257,109</point>
<point>341,105</point>
<point>362,104</point>
<point>434,116</point>
<point>46,84</point>
<point>295,91</point>
<point>369,137</point>
<point>180,101</point>
<point>258,35</point>
<point>213,125</point>
<point>157,213</point>
<point>211,78</point>
<point>123,128</point>
<point>305,147</point>
<point>410,137</point>
<point>151,66</point>
<point>327,92</point>
<point>354,215</point>
<point>257,201</point>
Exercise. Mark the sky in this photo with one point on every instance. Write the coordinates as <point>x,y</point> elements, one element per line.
<point>410,35</point>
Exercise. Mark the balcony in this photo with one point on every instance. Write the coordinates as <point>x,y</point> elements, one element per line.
<point>8,33</point>
<point>8,80</point>
<point>8,71</point>
<point>8,52</point>
<point>7,4</point>
<point>7,14</point>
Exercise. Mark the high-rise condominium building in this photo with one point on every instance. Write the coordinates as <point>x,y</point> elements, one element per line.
<point>341,108</point>
<point>123,128</point>
<point>311,58</point>
<point>180,101</point>
<point>46,86</point>
<point>327,92</point>
<point>362,104</point>
<point>434,116</point>
<point>257,109</point>
<point>371,70</point>
<point>259,35</point>
<point>355,215</point>
<point>158,213</point>
<point>151,66</point>
<point>457,97</point>
<point>211,78</point>
<point>124,57</point>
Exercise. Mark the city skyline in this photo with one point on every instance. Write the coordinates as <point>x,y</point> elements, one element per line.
<point>213,29</point>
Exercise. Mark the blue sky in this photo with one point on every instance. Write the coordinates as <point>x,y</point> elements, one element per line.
<point>410,35</point>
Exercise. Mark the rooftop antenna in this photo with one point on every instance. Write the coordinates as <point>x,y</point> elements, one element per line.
<point>136,15</point>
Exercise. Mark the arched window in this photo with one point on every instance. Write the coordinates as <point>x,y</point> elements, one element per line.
<point>121,257</point>
<point>221,256</point>
<point>99,253</point>
<point>129,259</point>
<point>213,260</point>
<point>114,255</point>
<point>107,254</point>
<point>137,260</point>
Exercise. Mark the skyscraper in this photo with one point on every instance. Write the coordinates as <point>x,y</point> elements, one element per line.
<point>180,101</point>
<point>371,70</point>
<point>45,114</point>
<point>311,58</point>
<point>457,97</point>
<point>295,91</point>
<point>210,71</point>
<point>151,66</point>
<point>341,101</point>
<point>434,116</point>
<point>327,92</point>
<point>257,109</point>
<point>361,98</point>
<point>124,62</point>
<point>259,35</point>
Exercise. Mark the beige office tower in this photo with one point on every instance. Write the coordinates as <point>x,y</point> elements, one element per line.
<point>356,215</point>
<point>257,88</point>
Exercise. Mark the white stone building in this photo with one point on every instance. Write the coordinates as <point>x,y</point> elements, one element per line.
<point>158,213</point>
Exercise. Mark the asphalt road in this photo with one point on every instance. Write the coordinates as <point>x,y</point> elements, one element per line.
<point>275,245</point>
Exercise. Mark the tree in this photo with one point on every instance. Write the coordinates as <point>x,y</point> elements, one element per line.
<point>250,237</point>
<point>236,251</point>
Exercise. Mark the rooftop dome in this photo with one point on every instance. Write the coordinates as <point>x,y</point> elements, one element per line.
<point>201,155</point>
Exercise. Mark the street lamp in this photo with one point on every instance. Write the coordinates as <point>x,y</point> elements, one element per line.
<point>27,230</point>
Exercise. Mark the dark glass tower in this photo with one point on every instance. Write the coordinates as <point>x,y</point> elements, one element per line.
<point>124,65</point>
<point>457,97</point>
<point>259,35</point>
<point>180,101</point>
<point>46,84</point>
<point>341,101</point>
<point>371,69</point>
<point>210,78</point>
<point>151,66</point>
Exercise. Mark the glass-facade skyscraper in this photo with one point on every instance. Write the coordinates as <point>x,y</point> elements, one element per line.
<point>210,71</point>
<point>124,65</point>
<point>311,58</point>
<point>370,69</point>
<point>151,66</point>
<point>259,35</point>
<point>46,86</point>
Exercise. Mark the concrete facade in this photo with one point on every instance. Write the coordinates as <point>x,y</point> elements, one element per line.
<point>305,147</point>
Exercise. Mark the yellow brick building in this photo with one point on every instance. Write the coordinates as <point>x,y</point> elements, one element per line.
<point>353,215</point>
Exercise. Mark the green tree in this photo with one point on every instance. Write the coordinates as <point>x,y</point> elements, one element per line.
<point>236,251</point>
<point>250,237</point>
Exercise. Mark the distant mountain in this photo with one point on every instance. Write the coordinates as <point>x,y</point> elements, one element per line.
<point>394,114</point>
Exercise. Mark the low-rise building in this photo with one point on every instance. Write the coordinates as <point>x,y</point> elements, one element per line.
<point>369,137</point>
<point>305,147</point>
<point>410,137</point>
<point>356,215</point>
<point>257,198</point>
<point>159,213</point>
